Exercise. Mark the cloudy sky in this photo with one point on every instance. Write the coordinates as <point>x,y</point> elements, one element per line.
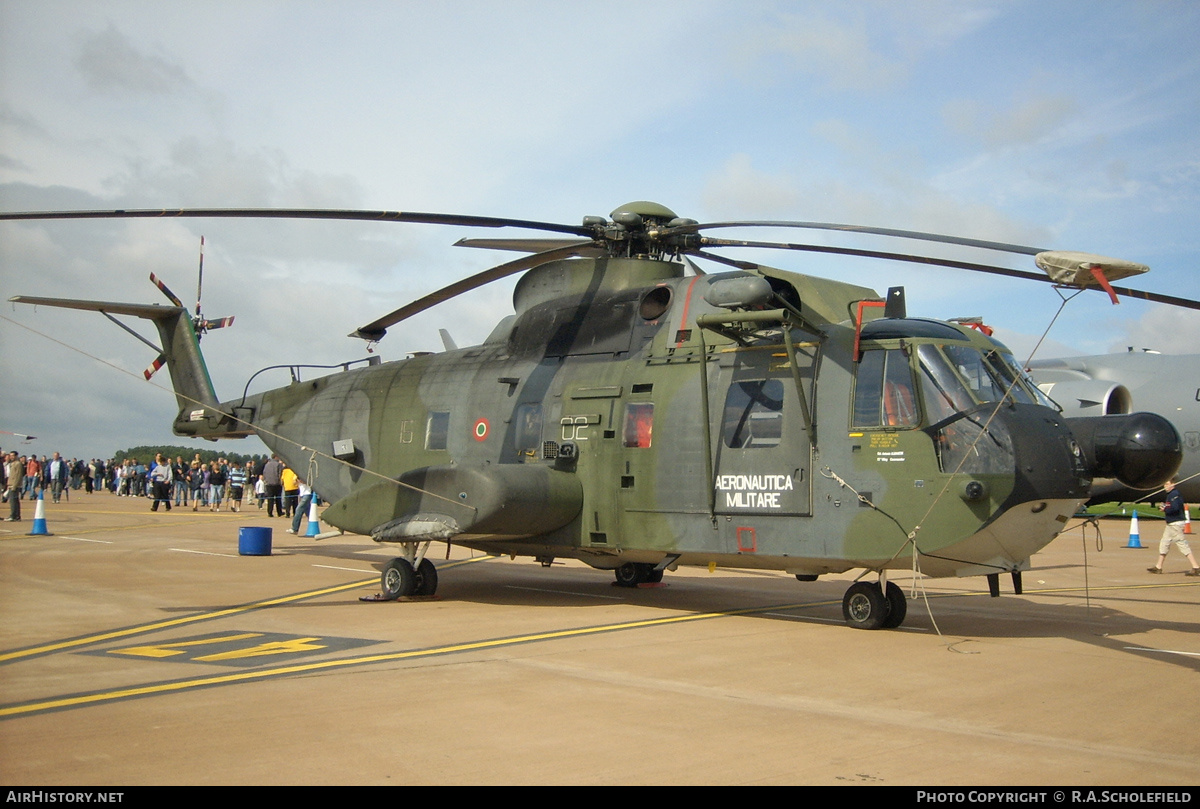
<point>1069,125</point>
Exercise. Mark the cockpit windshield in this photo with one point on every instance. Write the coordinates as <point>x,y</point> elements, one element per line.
<point>1008,366</point>
<point>990,377</point>
<point>959,386</point>
<point>952,378</point>
<point>955,386</point>
<point>941,388</point>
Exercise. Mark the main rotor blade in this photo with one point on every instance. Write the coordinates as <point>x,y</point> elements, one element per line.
<point>1003,247</point>
<point>729,262</point>
<point>200,279</point>
<point>304,213</point>
<point>941,262</point>
<point>376,329</point>
<point>516,245</point>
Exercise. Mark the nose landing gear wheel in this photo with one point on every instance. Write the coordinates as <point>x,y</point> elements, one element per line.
<point>865,606</point>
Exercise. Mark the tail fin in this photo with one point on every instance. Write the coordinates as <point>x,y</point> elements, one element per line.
<point>199,409</point>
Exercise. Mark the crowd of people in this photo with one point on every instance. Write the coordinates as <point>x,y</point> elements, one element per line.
<point>211,485</point>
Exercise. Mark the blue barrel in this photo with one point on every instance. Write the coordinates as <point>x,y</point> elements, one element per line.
<point>254,541</point>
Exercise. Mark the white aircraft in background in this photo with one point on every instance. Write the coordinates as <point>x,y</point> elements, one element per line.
<point>1131,382</point>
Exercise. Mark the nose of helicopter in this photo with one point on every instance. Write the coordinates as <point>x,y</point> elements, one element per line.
<point>1049,464</point>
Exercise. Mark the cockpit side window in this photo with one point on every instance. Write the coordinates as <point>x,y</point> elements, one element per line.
<point>884,392</point>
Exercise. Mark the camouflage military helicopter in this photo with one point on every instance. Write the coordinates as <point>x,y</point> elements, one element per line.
<point>637,413</point>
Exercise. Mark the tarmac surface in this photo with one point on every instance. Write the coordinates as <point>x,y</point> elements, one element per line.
<point>141,648</point>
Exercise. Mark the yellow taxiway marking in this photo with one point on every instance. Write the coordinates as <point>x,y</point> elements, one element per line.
<point>160,650</point>
<point>274,647</point>
<point>80,700</point>
<point>101,637</point>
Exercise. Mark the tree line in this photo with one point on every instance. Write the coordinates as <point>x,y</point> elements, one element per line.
<point>146,453</point>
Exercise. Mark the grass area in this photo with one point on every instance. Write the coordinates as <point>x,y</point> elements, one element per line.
<point>1144,510</point>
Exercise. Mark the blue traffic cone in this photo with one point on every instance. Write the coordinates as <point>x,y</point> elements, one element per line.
<point>39,518</point>
<point>314,523</point>
<point>1135,540</point>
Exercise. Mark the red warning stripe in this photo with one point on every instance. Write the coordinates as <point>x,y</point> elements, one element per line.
<point>154,366</point>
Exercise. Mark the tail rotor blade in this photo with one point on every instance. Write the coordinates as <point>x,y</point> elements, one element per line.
<point>154,366</point>
<point>219,323</point>
<point>154,279</point>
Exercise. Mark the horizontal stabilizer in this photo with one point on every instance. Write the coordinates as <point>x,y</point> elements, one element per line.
<point>180,352</point>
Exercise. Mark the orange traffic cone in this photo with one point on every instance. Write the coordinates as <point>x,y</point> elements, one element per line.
<point>1187,519</point>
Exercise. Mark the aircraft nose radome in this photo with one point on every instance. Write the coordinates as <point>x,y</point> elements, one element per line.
<point>1046,467</point>
<point>1141,450</point>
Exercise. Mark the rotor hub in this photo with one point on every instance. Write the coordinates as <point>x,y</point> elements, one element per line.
<point>643,228</point>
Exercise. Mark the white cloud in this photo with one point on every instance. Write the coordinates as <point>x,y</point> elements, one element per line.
<point>109,62</point>
<point>1028,120</point>
<point>1168,329</point>
<point>740,190</point>
<point>550,110</point>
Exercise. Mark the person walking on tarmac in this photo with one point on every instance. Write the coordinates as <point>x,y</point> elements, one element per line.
<point>1173,510</point>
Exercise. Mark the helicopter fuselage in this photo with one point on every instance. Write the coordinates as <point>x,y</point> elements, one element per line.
<point>602,423</point>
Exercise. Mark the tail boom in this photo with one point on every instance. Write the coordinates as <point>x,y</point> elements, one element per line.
<point>200,413</point>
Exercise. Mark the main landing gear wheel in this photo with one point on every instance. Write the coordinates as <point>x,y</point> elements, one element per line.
<point>897,606</point>
<point>631,574</point>
<point>427,579</point>
<point>398,579</point>
<point>865,606</point>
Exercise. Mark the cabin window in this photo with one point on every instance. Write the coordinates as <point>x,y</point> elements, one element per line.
<point>437,430</point>
<point>529,427</point>
<point>753,414</point>
<point>639,424</point>
<point>883,392</point>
